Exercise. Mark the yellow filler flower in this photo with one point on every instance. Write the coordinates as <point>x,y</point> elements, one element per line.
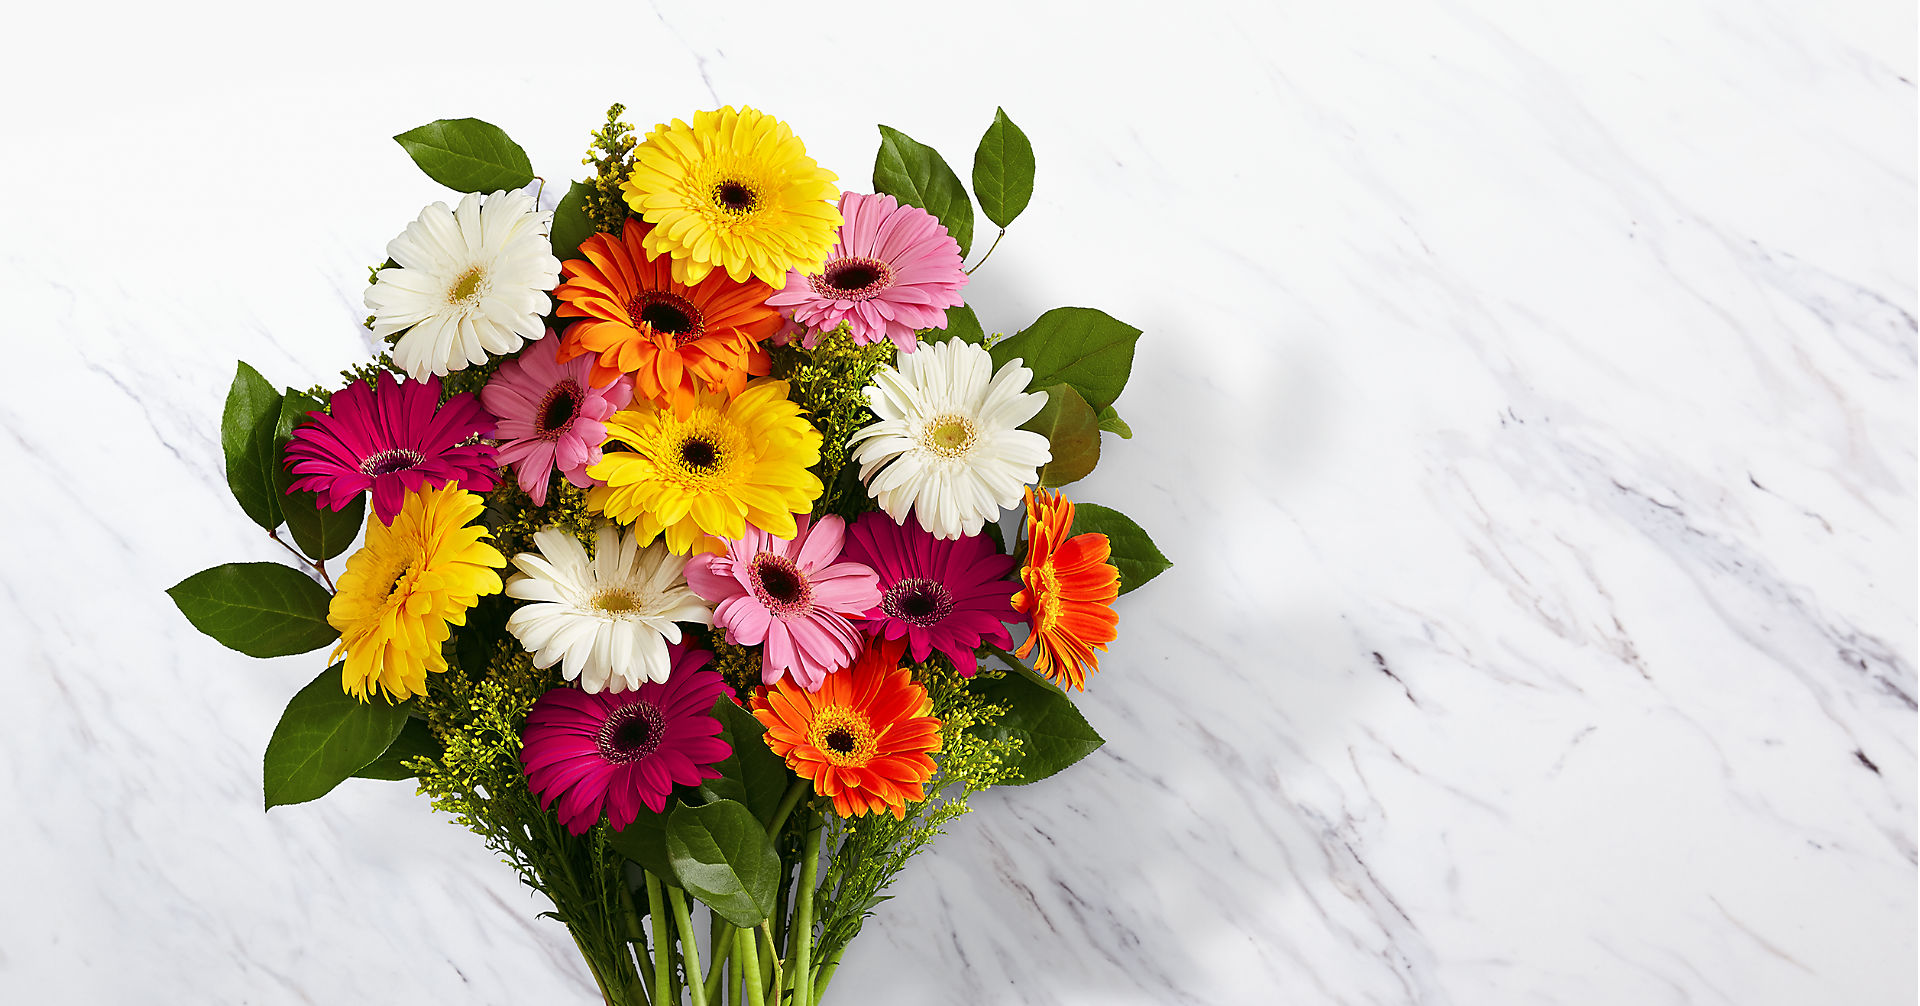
<point>730,463</point>
<point>734,191</point>
<point>406,585</point>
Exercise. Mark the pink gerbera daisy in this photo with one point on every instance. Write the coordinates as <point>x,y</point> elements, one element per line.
<point>790,595</point>
<point>894,272</point>
<point>392,438</point>
<point>942,595</point>
<point>609,752</point>
<point>550,415</point>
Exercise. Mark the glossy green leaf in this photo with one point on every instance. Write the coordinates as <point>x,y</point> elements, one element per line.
<point>414,741</point>
<point>1111,422</point>
<point>1134,554</point>
<point>571,226</point>
<point>645,842</point>
<point>262,609</point>
<point>467,155</point>
<point>324,737</point>
<point>917,175</point>
<point>752,775</point>
<point>246,438</point>
<point>1072,435</point>
<point>1052,732</point>
<point>1003,170</point>
<point>1080,346</point>
<point>319,532</point>
<point>722,856</point>
<point>962,324</point>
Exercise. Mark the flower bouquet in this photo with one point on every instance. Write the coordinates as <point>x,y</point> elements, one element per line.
<point>684,583</point>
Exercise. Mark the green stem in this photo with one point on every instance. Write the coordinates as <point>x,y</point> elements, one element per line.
<point>791,797</point>
<point>772,969</point>
<point>636,936</point>
<point>662,987</point>
<point>720,939</point>
<point>827,969</point>
<point>990,248</point>
<point>689,947</point>
<point>747,962</point>
<point>801,938</point>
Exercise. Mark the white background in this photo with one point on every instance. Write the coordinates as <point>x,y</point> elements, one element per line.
<point>1527,400</point>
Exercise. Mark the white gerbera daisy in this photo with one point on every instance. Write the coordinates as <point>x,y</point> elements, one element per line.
<point>948,444</point>
<point>608,619</point>
<point>471,281</point>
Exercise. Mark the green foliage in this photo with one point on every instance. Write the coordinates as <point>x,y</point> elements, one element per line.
<point>324,737</point>
<point>262,609</point>
<point>752,775</point>
<point>826,382</point>
<point>645,842</point>
<point>1051,732</point>
<point>571,224</point>
<point>246,438</point>
<point>611,155</point>
<point>721,854</point>
<point>467,155</point>
<point>1110,421</point>
<point>964,325</point>
<point>1080,346</point>
<point>1073,436</point>
<point>1003,170</point>
<point>1134,554</point>
<point>400,760</point>
<point>513,519</point>
<point>320,532</point>
<point>917,175</point>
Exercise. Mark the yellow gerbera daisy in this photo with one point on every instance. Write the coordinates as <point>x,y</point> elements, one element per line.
<point>733,191</point>
<point>408,582</point>
<point>728,464</point>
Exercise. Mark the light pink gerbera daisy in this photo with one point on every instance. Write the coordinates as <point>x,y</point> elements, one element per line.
<point>550,415</point>
<point>894,272</point>
<point>790,595</point>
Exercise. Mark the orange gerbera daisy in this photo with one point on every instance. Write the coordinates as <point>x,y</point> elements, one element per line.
<point>675,340</point>
<point>1068,593</point>
<point>865,738</point>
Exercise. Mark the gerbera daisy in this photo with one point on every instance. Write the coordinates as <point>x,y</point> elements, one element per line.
<point>1068,593</point>
<point>865,738</point>
<point>791,595</point>
<point>674,339</point>
<point>944,595</point>
<point>894,271</point>
<point>728,465</point>
<point>394,438</point>
<point>408,582</point>
<point>606,620</point>
<point>735,191</point>
<point>948,444</point>
<point>471,281</point>
<point>551,415</point>
<point>612,752</point>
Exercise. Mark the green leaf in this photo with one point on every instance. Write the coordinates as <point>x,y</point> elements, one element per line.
<point>320,532</point>
<point>414,741</point>
<point>1072,435</point>
<point>1111,422</point>
<point>917,175</point>
<point>1134,554</point>
<point>467,155</point>
<point>1003,170</point>
<point>645,842</point>
<point>571,226</point>
<point>246,438</point>
<point>262,609</point>
<point>1052,732</point>
<point>964,325</point>
<point>324,737</point>
<point>752,774</point>
<point>1074,345</point>
<point>722,856</point>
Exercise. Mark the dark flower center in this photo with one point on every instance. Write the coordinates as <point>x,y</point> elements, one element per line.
<point>853,278</point>
<point>631,732</point>
<point>399,459</point>
<point>733,197</point>
<point>778,584</point>
<point>563,404</point>
<point>918,602</point>
<point>840,741</point>
<point>697,453</point>
<point>668,314</point>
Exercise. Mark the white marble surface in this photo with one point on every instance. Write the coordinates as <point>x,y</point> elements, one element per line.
<point>1528,399</point>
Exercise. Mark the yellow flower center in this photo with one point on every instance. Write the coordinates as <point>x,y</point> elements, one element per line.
<point>702,454</point>
<point>615,599</point>
<point>844,736</point>
<point>948,436</point>
<point>467,287</point>
<point>1045,585</point>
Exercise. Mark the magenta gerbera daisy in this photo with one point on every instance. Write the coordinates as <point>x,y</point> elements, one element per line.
<point>392,438</point>
<point>550,415</point>
<point>947,595</point>
<point>894,272</point>
<point>610,752</point>
<point>793,596</point>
